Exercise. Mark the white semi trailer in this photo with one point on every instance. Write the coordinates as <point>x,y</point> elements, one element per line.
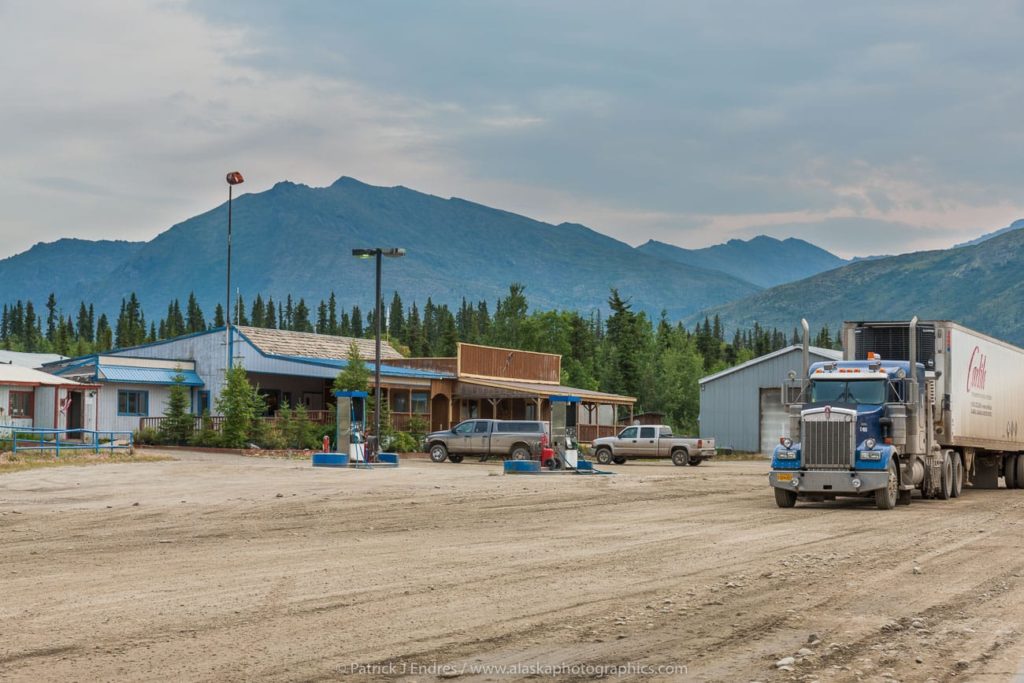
<point>878,425</point>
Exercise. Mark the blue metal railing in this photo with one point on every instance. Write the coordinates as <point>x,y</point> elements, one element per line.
<point>86,439</point>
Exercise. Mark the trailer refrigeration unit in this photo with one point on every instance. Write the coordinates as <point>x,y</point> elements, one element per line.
<point>877,425</point>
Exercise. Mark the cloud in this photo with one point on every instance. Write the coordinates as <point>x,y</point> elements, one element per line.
<point>686,122</point>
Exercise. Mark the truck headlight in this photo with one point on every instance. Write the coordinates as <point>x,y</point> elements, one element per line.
<point>787,442</point>
<point>786,455</point>
<point>870,455</point>
<point>870,443</point>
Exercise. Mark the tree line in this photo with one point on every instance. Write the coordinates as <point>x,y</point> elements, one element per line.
<point>620,350</point>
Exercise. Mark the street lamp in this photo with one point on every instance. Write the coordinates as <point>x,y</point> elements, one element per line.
<point>233,178</point>
<point>377,253</point>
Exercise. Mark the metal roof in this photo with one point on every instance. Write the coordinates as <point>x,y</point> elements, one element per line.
<point>311,345</point>
<point>543,389</point>
<point>28,360</point>
<point>132,375</point>
<point>831,354</point>
<point>12,375</point>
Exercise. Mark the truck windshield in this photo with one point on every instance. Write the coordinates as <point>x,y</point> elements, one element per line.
<point>838,391</point>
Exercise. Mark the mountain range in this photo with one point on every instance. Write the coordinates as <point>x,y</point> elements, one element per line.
<point>980,285</point>
<point>298,240</point>
<point>763,261</point>
<point>294,239</point>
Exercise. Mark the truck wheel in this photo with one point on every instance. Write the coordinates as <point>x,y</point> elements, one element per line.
<point>694,460</point>
<point>619,460</point>
<point>456,458</point>
<point>958,475</point>
<point>438,453</point>
<point>1010,470</point>
<point>521,453</point>
<point>784,498</point>
<point>905,497</point>
<point>679,458</point>
<point>946,480</point>
<point>604,456</point>
<point>885,499</point>
<point>1020,472</point>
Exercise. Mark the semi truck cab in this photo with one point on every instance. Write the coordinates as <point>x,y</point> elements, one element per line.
<point>845,432</point>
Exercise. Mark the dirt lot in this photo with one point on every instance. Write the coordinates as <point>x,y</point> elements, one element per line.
<point>219,567</point>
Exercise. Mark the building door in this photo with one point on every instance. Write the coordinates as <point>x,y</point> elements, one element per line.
<point>75,410</point>
<point>774,419</point>
<point>439,413</point>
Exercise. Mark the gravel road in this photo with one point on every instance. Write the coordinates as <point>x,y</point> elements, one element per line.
<point>215,568</point>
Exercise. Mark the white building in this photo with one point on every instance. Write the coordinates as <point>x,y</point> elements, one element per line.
<point>30,398</point>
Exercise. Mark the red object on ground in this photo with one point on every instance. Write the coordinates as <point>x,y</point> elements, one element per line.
<point>327,444</point>
<point>546,454</point>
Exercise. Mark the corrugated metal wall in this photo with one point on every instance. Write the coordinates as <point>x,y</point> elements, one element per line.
<point>730,409</point>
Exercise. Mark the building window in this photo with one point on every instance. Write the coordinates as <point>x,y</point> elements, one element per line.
<point>21,404</point>
<point>399,401</point>
<point>203,402</point>
<point>132,403</point>
<point>421,402</point>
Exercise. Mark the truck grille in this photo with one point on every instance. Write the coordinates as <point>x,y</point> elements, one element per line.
<point>828,441</point>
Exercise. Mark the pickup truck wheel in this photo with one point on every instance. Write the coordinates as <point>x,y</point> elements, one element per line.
<point>885,499</point>
<point>784,498</point>
<point>520,453</point>
<point>1020,472</point>
<point>456,458</point>
<point>438,453</point>
<point>603,456</point>
<point>619,460</point>
<point>679,457</point>
<point>1010,471</point>
<point>694,460</point>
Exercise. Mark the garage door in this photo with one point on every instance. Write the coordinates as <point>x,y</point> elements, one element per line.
<point>774,419</point>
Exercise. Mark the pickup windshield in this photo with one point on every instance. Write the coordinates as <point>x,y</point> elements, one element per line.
<point>840,391</point>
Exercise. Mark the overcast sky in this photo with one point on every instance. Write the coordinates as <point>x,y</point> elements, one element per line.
<point>869,127</point>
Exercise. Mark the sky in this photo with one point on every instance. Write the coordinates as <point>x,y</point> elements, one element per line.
<point>866,128</point>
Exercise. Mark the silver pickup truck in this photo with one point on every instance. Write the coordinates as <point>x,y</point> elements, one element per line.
<point>652,441</point>
<point>516,439</point>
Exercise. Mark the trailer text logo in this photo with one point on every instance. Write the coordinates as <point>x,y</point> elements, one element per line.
<point>976,370</point>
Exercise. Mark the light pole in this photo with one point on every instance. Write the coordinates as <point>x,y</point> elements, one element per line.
<point>233,178</point>
<point>377,252</point>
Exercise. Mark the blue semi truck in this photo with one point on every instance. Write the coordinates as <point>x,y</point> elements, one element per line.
<point>881,426</point>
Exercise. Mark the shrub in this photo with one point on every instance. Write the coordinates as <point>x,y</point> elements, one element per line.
<point>241,405</point>
<point>404,442</point>
<point>178,424</point>
<point>206,436</point>
<point>147,436</point>
<point>418,427</point>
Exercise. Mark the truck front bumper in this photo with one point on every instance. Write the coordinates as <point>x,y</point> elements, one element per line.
<point>828,482</point>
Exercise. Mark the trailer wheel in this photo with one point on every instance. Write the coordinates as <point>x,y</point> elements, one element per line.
<point>1020,472</point>
<point>604,456</point>
<point>456,458</point>
<point>619,460</point>
<point>438,453</point>
<point>1010,470</point>
<point>885,499</point>
<point>958,474</point>
<point>784,498</point>
<point>905,497</point>
<point>946,479</point>
<point>679,457</point>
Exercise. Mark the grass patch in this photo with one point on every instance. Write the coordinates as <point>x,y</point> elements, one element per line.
<point>18,462</point>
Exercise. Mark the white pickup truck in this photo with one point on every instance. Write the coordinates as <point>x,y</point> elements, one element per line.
<point>652,441</point>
